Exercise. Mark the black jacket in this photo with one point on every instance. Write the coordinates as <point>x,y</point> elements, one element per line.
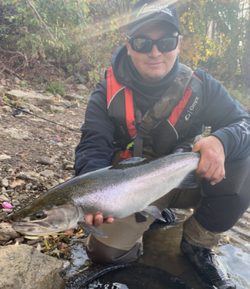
<point>229,122</point>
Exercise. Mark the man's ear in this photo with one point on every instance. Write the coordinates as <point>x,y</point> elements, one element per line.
<point>128,47</point>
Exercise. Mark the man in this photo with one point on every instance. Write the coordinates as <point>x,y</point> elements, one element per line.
<point>149,97</point>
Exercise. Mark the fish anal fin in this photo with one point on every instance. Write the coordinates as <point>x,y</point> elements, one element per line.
<point>189,182</point>
<point>155,212</point>
<point>91,229</point>
<point>144,214</point>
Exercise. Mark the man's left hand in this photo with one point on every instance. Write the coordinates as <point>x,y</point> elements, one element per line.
<point>211,166</point>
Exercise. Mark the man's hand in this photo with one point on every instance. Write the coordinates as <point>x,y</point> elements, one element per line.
<point>211,166</point>
<point>97,220</point>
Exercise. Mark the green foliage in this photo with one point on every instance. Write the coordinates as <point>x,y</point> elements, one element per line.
<point>215,37</point>
<point>80,36</point>
<point>56,88</point>
<point>241,94</point>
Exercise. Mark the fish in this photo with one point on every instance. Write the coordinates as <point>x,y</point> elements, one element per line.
<point>115,191</point>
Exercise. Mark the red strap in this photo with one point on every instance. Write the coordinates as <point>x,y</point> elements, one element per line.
<point>130,115</point>
<point>180,107</point>
<point>113,86</point>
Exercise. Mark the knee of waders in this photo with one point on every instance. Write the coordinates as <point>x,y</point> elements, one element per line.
<point>103,254</point>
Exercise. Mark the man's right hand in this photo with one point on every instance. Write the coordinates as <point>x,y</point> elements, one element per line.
<point>97,220</point>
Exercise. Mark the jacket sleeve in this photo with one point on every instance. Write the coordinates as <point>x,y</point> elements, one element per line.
<point>228,121</point>
<point>96,144</point>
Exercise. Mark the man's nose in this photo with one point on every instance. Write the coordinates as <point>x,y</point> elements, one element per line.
<point>154,52</point>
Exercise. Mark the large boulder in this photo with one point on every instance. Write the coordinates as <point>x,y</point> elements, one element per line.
<point>30,97</point>
<point>24,267</point>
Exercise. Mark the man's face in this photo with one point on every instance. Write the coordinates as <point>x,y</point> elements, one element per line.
<point>155,65</point>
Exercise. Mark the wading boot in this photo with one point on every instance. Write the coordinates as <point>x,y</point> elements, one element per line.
<point>208,266</point>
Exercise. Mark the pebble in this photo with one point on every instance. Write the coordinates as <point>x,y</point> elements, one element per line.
<point>3,198</point>
<point>46,160</point>
<point>28,176</point>
<point>47,173</point>
<point>4,183</point>
<point>15,202</point>
<point>4,157</point>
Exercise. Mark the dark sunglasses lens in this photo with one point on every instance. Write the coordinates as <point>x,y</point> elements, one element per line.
<point>142,45</point>
<point>167,44</point>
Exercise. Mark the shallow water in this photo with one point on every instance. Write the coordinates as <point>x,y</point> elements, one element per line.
<point>161,250</point>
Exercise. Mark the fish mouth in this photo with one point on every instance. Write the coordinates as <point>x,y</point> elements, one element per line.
<point>34,229</point>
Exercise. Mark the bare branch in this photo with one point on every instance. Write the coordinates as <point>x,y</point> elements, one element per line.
<point>39,17</point>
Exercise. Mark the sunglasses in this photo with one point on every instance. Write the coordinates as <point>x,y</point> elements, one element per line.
<point>145,45</point>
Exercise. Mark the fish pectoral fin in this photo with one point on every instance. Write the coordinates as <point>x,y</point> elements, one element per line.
<point>91,229</point>
<point>155,212</point>
<point>189,182</point>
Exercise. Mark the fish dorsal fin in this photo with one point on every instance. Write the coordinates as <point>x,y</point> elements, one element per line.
<point>133,160</point>
<point>189,182</point>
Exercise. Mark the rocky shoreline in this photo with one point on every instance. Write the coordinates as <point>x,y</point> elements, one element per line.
<point>37,146</point>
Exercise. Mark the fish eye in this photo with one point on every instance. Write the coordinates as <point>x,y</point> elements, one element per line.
<point>38,216</point>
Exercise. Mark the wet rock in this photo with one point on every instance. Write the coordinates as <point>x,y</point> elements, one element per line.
<point>23,267</point>
<point>28,176</point>
<point>46,160</point>
<point>30,97</point>
<point>7,234</point>
<point>4,157</point>
<point>4,183</point>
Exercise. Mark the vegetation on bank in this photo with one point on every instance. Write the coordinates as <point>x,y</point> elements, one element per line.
<point>78,37</point>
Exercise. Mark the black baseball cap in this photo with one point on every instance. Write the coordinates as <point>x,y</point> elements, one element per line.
<point>149,11</point>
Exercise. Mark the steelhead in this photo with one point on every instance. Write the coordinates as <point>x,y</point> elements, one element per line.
<point>115,191</point>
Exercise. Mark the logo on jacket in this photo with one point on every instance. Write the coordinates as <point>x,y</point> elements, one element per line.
<point>245,127</point>
<point>190,110</point>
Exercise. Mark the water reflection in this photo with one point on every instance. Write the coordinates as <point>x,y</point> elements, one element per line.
<point>161,250</point>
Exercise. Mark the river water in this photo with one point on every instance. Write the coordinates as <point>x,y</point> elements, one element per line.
<point>161,250</point>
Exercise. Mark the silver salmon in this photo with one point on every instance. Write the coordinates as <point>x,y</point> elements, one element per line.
<point>115,191</point>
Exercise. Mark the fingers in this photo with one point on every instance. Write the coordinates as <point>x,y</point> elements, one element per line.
<point>211,169</point>
<point>212,174</point>
<point>211,166</point>
<point>97,220</point>
<point>70,231</point>
<point>109,220</point>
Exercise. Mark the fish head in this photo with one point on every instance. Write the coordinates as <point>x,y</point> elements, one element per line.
<point>37,219</point>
